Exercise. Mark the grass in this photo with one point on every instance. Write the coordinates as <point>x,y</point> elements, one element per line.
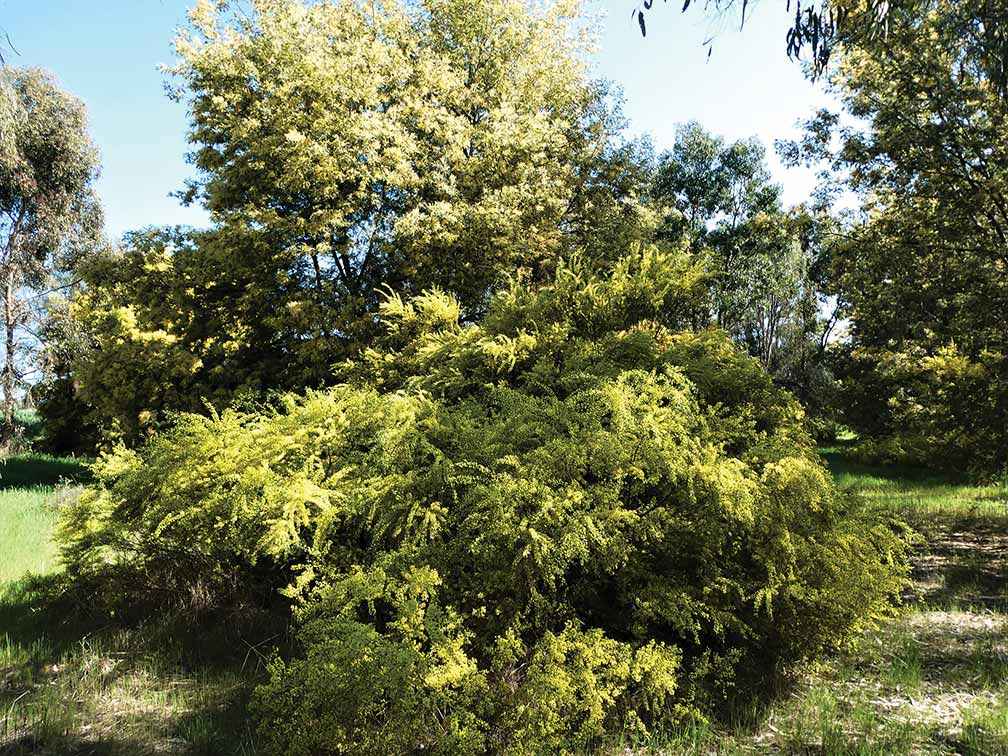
<point>25,532</point>
<point>108,688</point>
<point>934,680</point>
<point>27,487</point>
<point>41,471</point>
<point>75,683</point>
<point>923,497</point>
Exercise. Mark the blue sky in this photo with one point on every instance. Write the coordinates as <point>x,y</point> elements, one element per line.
<point>108,53</point>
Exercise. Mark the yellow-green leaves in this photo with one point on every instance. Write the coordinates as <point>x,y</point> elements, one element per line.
<point>437,142</point>
<point>520,534</point>
<point>347,152</point>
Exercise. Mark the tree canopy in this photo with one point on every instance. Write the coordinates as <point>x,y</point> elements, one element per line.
<point>344,150</point>
<point>925,277</point>
<point>767,269</point>
<point>49,215</point>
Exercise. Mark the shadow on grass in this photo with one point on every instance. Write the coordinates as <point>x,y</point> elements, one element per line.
<point>33,470</point>
<point>962,560</point>
<point>964,565</point>
<point>77,681</point>
<point>843,466</point>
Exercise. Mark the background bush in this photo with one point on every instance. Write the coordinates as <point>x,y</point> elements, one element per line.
<point>930,407</point>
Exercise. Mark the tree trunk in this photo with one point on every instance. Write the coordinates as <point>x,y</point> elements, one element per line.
<point>8,373</point>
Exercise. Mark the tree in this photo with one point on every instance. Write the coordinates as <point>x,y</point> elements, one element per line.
<point>49,215</point>
<point>704,185</point>
<point>768,288</point>
<point>719,196</point>
<point>384,143</point>
<point>926,273</point>
<point>344,150</point>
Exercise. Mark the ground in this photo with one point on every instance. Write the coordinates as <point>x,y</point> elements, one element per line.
<point>73,683</point>
<point>932,680</point>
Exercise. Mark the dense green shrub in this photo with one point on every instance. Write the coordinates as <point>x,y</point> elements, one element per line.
<point>571,519</point>
<point>930,407</point>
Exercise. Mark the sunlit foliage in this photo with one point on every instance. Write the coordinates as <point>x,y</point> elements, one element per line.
<point>574,518</point>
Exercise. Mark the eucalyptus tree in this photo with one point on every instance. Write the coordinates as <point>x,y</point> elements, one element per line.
<point>768,288</point>
<point>719,195</point>
<point>49,215</point>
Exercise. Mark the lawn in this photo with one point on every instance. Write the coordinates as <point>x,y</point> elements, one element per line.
<point>923,497</point>
<point>932,680</point>
<point>27,489</point>
<point>74,683</point>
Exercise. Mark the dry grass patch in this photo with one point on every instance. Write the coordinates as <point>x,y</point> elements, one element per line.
<point>83,688</point>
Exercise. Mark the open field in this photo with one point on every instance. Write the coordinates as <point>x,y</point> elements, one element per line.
<point>933,680</point>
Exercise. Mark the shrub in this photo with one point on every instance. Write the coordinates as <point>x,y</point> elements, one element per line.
<point>572,518</point>
<point>931,407</point>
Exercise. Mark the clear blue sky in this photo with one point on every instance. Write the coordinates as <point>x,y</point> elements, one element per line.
<point>107,53</point>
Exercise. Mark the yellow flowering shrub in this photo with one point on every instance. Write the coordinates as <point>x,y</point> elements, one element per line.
<point>517,536</point>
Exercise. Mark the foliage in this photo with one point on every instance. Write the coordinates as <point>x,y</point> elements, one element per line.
<point>770,287</point>
<point>49,215</point>
<point>574,517</point>
<point>66,423</point>
<point>134,362</point>
<point>703,184</point>
<point>343,148</point>
<point>925,277</point>
<point>938,405</point>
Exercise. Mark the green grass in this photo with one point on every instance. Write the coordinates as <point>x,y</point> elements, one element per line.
<point>27,491</point>
<point>26,523</point>
<point>920,496</point>
<point>79,684</point>
<point>76,682</point>
<point>35,471</point>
